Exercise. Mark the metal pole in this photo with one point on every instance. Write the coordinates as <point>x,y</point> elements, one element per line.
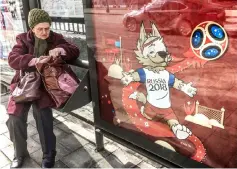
<point>33,4</point>
<point>99,139</point>
<point>39,4</point>
<point>26,9</point>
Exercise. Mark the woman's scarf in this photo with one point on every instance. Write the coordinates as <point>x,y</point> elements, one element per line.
<point>40,47</point>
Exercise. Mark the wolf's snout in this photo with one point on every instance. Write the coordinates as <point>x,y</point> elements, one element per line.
<point>163,54</point>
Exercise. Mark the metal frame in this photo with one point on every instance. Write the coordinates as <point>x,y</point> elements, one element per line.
<point>128,138</point>
<point>82,95</point>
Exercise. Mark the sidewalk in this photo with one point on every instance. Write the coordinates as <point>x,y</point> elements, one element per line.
<point>75,144</point>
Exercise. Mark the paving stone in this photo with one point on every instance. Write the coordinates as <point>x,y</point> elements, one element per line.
<point>151,162</point>
<point>60,164</point>
<point>4,141</point>
<point>79,122</point>
<point>71,127</point>
<point>84,157</point>
<point>126,149</point>
<point>31,119</point>
<point>73,141</point>
<point>58,119</point>
<point>3,114</point>
<point>4,161</point>
<point>59,113</point>
<point>31,130</point>
<point>6,167</point>
<point>82,128</point>
<point>36,138</point>
<point>110,147</point>
<point>113,162</point>
<point>119,159</point>
<point>4,98</point>
<point>84,112</point>
<point>144,165</point>
<point>61,152</point>
<point>67,126</point>
<point>55,115</point>
<point>30,163</point>
<point>3,128</point>
<point>32,145</point>
<point>9,152</point>
<point>88,107</point>
<point>127,156</point>
<point>58,133</point>
<point>7,134</point>
<point>37,156</point>
<point>104,163</point>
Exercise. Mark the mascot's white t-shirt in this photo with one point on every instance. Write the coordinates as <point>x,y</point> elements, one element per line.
<point>157,85</point>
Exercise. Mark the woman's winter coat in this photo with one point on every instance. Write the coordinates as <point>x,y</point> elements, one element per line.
<point>21,55</point>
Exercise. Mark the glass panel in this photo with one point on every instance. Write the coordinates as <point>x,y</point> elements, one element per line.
<point>11,24</point>
<point>167,69</point>
<point>63,8</point>
<point>66,9</point>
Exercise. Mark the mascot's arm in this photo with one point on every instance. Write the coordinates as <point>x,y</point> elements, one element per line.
<point>129,77</point>
<point>186,88</point>
<point>136,76</point>
<point>178,84</point>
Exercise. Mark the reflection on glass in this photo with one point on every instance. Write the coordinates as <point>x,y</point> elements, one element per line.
<point>63,8</point>
<point>167,70</point>
<point>10,24</point>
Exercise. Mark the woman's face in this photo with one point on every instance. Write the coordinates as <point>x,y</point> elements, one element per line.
<point>42,30</point>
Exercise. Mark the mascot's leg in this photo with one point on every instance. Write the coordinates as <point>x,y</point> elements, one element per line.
<point>139,96</point>
<point>144,114</point>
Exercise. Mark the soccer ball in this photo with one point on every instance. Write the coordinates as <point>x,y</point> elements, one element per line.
<point>209,40</point>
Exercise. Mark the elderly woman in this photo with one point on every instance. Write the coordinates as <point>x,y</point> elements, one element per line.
<point>37,42</point>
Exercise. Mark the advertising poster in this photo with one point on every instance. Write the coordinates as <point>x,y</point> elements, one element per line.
<point>168,72</point>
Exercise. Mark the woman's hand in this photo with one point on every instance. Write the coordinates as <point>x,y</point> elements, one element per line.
<point>57,52</point>
<point>33,62</point>
<point>44,59</point>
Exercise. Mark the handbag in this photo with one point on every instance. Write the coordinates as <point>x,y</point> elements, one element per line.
<point>28,87</point>
<point>58,78</point>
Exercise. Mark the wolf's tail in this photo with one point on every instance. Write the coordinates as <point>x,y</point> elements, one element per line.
<point>200,150</point>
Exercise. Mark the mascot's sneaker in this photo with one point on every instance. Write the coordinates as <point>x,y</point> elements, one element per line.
<point>49,160</point>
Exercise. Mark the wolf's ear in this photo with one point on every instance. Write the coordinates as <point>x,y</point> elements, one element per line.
<point>155,31</point>
<point>142,33</point>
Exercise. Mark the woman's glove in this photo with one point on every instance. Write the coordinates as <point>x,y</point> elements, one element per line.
<point>57,52</point>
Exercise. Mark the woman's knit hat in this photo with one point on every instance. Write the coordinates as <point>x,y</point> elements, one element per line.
<point>37,16</point>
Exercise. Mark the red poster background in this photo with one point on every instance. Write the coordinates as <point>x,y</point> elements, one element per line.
<point>215,82</point>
